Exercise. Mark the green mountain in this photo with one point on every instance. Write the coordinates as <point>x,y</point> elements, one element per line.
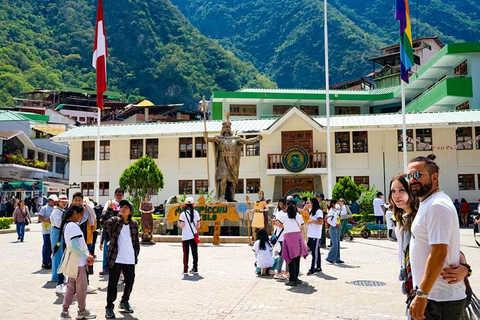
<point>154,51</point>
<point>284,39</point>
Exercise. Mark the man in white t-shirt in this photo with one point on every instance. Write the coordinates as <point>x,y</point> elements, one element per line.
<point>435,245</point>
<point>378,208</point>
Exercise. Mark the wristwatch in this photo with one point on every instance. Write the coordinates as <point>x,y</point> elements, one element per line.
<point>421,294</point>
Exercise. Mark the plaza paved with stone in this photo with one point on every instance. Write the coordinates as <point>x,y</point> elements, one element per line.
<point>226,287</point>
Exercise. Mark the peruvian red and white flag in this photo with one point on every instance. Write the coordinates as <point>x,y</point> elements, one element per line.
<point>100,55</point>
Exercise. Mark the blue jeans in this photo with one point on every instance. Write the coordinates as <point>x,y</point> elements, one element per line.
<point>105,254</point>
<point>46,250</point>
<point>21,230</point>
<point>334,254</point>
<point>57,257</point>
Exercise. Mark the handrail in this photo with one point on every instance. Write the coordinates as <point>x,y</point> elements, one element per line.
<point>316,160</point>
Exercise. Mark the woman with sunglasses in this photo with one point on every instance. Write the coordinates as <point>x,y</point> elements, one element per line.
<point>405,207</point>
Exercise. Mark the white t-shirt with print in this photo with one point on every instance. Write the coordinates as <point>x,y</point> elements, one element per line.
<point>72,231</point>
<point>289,225</point>
<point>332,217</point>
<point>378,207</point>
<point>389,217</point>
<point>264,257</point>
<point>126,254</point>
<point>277,230</point>
<point>436,222</point>
<point>187,231</point>
<point>315,230</point>
<point>56,217</point>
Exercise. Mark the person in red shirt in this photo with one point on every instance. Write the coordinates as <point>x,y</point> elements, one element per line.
<point>464,211</point>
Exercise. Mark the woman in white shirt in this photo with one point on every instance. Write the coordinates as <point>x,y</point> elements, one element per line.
<point>56,238</point>
<point>263,252</point>
<point>314,234</point>
<point>279,234</point>
<point>293,245</point>
<point>333,221</point>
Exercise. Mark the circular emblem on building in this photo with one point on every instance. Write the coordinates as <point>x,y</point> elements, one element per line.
<point>295,159</point>
<point>295,192</point>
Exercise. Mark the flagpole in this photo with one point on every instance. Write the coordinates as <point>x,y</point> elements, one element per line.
<point>404,128</point>
<point>97,179</point>
<point>327,106</point>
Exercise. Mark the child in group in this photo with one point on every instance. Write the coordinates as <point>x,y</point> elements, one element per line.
<point>75,240</point>
<point>263,252</point>
<point>390,222</point>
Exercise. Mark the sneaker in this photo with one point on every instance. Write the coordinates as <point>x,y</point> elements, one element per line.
<point>65,315</point>
<point>194,271</point>
<point>331,262</point>
<point>299,282</point>
<point>91,289</point>
<point>61,289</point>
<point>185,271</point>
<point>351,237</point>
<point>125,306</point>
<point>291,283</point>
<point>85,314</point>
<point>340,261</point>
<point>122,277</point>
<point>310,272</point>
<point>318,270</point>
<point>278,276</point>
<point>109,314</point>
<point>104,272</point>
<point>48,266</point>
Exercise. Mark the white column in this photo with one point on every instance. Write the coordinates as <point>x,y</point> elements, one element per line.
<point>327,106</point>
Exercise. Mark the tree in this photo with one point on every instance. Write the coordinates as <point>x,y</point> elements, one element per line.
<point>366,201</point>
<point>141,178</point>
<point>346,189</point>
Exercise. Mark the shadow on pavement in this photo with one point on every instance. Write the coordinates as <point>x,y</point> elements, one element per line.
<point>50,285</point>
<point>59,300</point>
<point>42,271</point>
<point>346,266</point>
<point>195,277</point>
<point>304,288</point>
<point>325,276</point>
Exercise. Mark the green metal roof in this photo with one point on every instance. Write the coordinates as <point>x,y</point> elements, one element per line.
<point>35,116</point>
<point>7,115</point>
<point>90,91</point>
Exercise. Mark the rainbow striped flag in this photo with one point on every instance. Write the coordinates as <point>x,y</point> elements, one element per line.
<point>406,52</point>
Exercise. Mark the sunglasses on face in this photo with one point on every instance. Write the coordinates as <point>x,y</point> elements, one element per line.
<point>410,176</point>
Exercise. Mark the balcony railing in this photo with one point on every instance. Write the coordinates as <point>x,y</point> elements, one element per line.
<point>316,160</point>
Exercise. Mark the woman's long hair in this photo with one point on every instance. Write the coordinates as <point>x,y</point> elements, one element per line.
<point>315,206</point>
<point>413,203</point>
<point>263,237</point>
<point>333,202</point>
<point>66,216</point>
<point>292,211</point>
<point>278,205</point>
<point>190,208</point>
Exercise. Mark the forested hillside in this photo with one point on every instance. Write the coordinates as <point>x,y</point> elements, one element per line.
<point>154,51</point>
<point>284,39</point>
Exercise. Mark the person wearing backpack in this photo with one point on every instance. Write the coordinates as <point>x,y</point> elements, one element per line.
<point>190,222</point>
<point>345,215</point>
<point>75,242</point>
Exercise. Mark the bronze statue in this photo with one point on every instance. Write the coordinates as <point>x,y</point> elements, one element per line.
<point>228,149</point>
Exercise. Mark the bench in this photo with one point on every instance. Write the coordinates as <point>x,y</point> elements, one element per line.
<point>379,229</point>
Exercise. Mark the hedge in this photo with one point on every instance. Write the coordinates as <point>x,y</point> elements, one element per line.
<point>5,223</point>
<point>360,218</point>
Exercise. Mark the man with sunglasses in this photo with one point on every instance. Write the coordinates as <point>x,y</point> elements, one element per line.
<point>435,245</point>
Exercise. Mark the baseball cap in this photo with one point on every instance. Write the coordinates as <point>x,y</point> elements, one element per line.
<point>63,197</point>
<point>189,200</point>
<point>53,197</point>
<point>125,203</point>
<point>320,195</point>
<point>341,200</point>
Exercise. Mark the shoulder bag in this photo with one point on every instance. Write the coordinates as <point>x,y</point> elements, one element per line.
<point>274,238</point>
<point>69,264</point>
<point>25,217</point>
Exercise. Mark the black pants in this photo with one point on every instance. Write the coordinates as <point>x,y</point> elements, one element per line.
<point>324,237</point>
<point>448,310</point>
<point>129,276</point>
<point>294,269</point>
<point>187,244</point>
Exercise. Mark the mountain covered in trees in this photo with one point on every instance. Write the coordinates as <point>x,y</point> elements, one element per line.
<point>284,39</point>
<point>154,51</point>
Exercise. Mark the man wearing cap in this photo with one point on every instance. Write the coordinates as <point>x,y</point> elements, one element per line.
<point>189,222</point>
<point>122,256</point>
<point>378,208</point>
<point>44,217</point>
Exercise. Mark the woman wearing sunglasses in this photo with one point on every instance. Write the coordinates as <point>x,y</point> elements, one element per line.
<point>405,206</point>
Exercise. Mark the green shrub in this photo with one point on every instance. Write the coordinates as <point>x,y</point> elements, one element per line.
<point>366,200</point>
<point>363,217</point>
<point>347,189</point>
<point>5,223</point>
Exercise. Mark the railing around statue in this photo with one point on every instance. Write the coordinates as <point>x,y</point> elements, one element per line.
<point>317,160</point>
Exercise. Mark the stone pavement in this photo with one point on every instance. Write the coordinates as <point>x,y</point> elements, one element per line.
<point>226,288</point>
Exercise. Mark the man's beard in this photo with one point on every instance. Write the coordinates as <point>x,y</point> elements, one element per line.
<point>424,189</point>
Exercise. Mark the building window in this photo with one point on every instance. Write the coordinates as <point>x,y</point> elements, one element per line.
<point>338,179</point>
<point>81,119</point>
<point>461,69</point>
<point>105,150</point>
<point>88,189</point>
<point>30,154</point>
<point>50,161</point>
<point>104,189</point>
<point>360,141</point>
<point>185,187</point>
<point>477,133</point>
<point>400,140</point>
<point>60,165</point>
<point>464,106</point>
<point>200,148</point>
<point>466,182</point>
<point>88,150</point>
<point>185,147</point>
<point>240,188</point>
<point>342,142</point>
<point>463,135</point>
<point>347,110</point>
<point>310,110</point>
<point>152,148</point>
<point>201,184</point>
<point>136,148</point>
<point>279,110</point>
<point>41,156</point>
<point>253,185</point>
<point>425,136</point>
<point>365,180</point>
<point>253,149</point>
<point>244,110</point>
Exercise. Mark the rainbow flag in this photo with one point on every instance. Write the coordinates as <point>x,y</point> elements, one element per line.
<point>406,52</point>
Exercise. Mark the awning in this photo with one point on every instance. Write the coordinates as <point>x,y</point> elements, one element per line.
<point>51,129</point>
